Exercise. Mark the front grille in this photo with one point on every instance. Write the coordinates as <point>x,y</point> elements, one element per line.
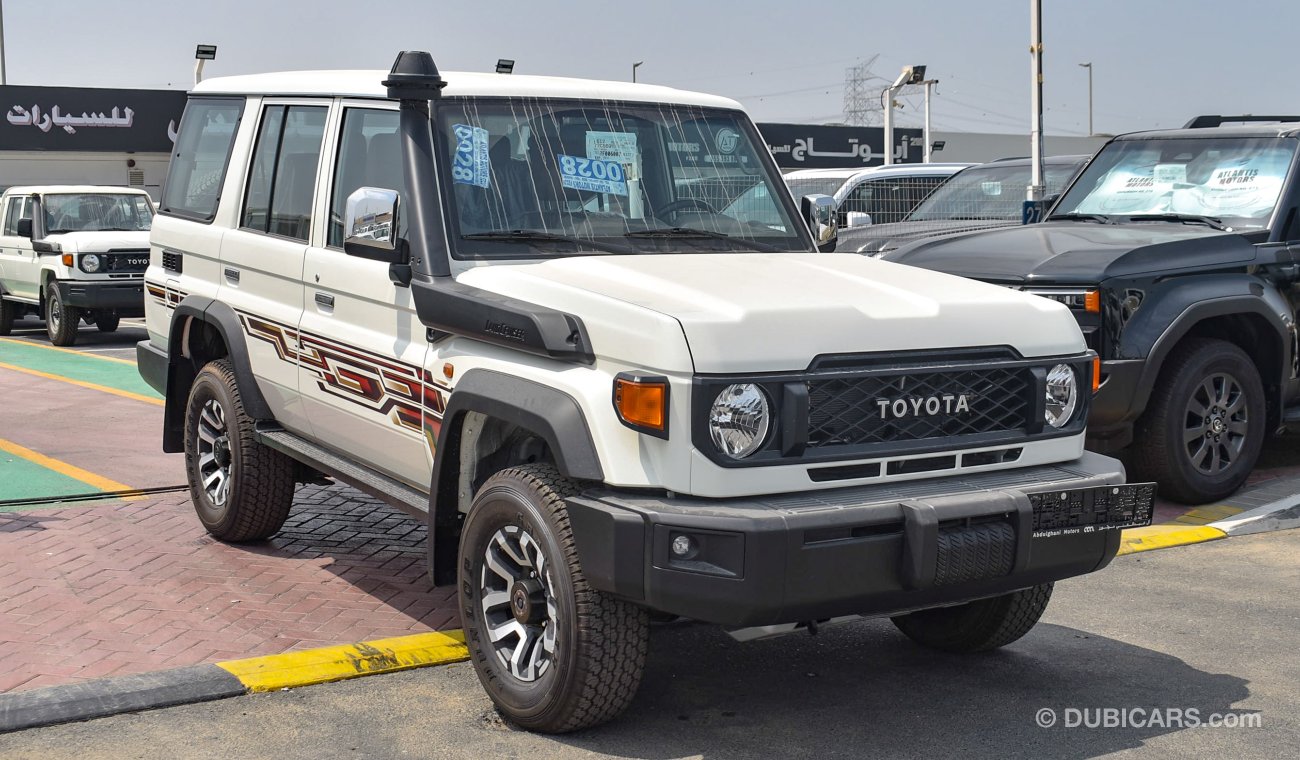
<point>123,260</point>
<point>863,410</point>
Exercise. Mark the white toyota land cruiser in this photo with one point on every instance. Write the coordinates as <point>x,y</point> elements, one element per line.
<point>73,252</point>
<point>490,301</point>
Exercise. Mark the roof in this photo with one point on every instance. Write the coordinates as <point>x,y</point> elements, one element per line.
<point>57,189</point>
<point>899,169</point>
<point>369,84</point>
<point>1048,160</point>
<point>1290,129</point>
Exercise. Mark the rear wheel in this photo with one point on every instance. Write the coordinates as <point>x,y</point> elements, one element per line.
<point>107,321</point>
<point>61,320</point>
<point>1203,430</point>
<point>980,625</point>
<point>554,654</point>
<point>242,490</point>
<point>7,314</point>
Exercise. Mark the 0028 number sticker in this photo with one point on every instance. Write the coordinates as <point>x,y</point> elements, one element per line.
<point>592,174</point>
<point>469,163</point>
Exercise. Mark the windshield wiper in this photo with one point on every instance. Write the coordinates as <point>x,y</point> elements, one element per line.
<point>1073,217</point>
<point>1208,221</point>
<point>690,232</point>
<point>525,236</point>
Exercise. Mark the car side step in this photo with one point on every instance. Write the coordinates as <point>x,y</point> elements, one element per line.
<point>1291,416</point>
<point>378,485</point>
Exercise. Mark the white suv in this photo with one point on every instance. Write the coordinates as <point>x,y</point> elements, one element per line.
<point>480,299</point>
<point>73,252</point>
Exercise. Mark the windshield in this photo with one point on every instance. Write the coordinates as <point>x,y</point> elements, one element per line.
<point>541,178</point>
<point>990,191</point>
<point>82,212</point>
<point>1234,179</point>
<point>801,186</point>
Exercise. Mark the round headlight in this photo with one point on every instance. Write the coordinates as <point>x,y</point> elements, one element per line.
<point>1062,395</point>
<point>90,262</point>
<point>739,419</point>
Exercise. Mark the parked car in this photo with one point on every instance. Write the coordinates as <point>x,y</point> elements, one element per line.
<point>978,198</point>
<point>606,398</point>
<point>875,195</point>
<point>73,253</point>
<point>1177,252</point>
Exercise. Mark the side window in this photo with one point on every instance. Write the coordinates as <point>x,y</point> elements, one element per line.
<point>282,180</point>
<point>198,166</point>
<point>14,212</point>
<point>889,200</point>
<point>369,156</point>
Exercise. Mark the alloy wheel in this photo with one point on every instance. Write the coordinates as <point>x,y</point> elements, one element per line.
<point>1217,420</point>
<point>214,452</point>
<point>518,603</point>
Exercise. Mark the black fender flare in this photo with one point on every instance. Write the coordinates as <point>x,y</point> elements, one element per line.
<point>1197,301</point>
<point>180,372</point>
<point>552,414</point>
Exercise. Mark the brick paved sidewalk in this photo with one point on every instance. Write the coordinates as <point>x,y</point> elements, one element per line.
<point>110,589</point>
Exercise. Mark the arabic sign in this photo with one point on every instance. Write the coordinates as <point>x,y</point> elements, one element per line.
<point>89,119</point>
<point>807,146</point>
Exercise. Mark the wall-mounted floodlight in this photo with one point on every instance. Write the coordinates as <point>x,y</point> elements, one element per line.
<point>938,145</point>
<point>202,54</point>
<point>505,65</point>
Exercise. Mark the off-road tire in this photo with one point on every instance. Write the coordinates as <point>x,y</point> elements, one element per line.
<point>1159,453</point>
<point>61,320</point>
<point>601,641</point>
<point>261,479</point>
<point>977,626</point>
<point>7,314</point>
<point>106,321</point>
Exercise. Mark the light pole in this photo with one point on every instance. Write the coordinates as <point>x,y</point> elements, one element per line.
<point>202,54</point>
<point>2,44</point>
<point>909,75</point>
<point>1088,66</point>
<point>638,63</point>
<point>929,149</point>
<point>1035,191</point>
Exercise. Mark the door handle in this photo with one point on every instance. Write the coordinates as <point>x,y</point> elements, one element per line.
<point>324,299</point>
<point>232,275</point>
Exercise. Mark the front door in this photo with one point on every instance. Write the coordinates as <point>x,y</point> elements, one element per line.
<point>19,266</point>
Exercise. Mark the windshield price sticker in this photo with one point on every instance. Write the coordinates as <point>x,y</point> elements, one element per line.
<point>470,164</point>
<point>612,146</point>
<point>592,174</point>
<point>1171,174</point>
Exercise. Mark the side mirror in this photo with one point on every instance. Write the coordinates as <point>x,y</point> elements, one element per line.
<point>858,219</point>
<point>822,219</point>
<point>25,228</point>
<point>370,225</point>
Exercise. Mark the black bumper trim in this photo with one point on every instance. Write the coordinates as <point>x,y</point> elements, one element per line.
<point>152,363</point>
<point>125,298</point>
<point>859,550</point>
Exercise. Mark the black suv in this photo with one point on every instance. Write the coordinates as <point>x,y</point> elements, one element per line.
<point>1179,253</point>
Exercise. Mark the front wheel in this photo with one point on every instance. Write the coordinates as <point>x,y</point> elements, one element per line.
<point>980,625</point>
<point>61,320</point>
<point>553,654</point>
<point>241,489</point>
<point>1203,430</point>
<point>7,315</point>
<point>107,321</point>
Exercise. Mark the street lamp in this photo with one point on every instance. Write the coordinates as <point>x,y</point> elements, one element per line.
<point>1088,66</point>
<point>505,65</point>
<point>638,63</point>
<point>909,75</point>
<point>202,54</point>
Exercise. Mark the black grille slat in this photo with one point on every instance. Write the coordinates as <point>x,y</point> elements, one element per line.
<point>126,260</point>
<point>845,411</point>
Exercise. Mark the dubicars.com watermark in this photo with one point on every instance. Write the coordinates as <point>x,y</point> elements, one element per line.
<point>1143,717</point>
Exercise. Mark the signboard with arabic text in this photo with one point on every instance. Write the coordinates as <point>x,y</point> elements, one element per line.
<point>809,146</point>
<point>89,119</point>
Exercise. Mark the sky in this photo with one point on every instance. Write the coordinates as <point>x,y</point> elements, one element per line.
<point>1156,63</point>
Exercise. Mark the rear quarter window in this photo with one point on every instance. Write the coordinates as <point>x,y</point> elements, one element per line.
<point>198,165</point>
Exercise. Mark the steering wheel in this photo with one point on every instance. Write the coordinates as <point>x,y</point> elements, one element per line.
<point>685,203</point>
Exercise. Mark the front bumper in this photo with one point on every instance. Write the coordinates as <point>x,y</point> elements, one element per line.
<point>125,298</point>
<point>876,549</point>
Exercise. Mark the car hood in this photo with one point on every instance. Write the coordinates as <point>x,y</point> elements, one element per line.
<point>99,241</point>
<point>1077,252</point>
<point>776,312</point>
<point>875,238</point>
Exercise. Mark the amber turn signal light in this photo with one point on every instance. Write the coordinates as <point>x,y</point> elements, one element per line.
<point>642,403</point>
<point>1096,373</point>
<point>67,259</point>
<point>1092,302</point>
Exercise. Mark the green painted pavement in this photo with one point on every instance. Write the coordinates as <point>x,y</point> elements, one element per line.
<point>21,479</point>
<point>84,367</point>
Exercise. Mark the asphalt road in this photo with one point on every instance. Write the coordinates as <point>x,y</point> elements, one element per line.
<point>119,344</point>
<point>1213,628</point>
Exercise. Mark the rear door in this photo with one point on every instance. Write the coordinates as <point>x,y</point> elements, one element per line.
<point>362,345</point>
<point>261,260</point>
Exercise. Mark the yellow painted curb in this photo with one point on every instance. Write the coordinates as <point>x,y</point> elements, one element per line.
<point>84,384</point>
<point>127,493</point>
<point>311,666</point>
<point>66,350</point>
<point>1165,536</point>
